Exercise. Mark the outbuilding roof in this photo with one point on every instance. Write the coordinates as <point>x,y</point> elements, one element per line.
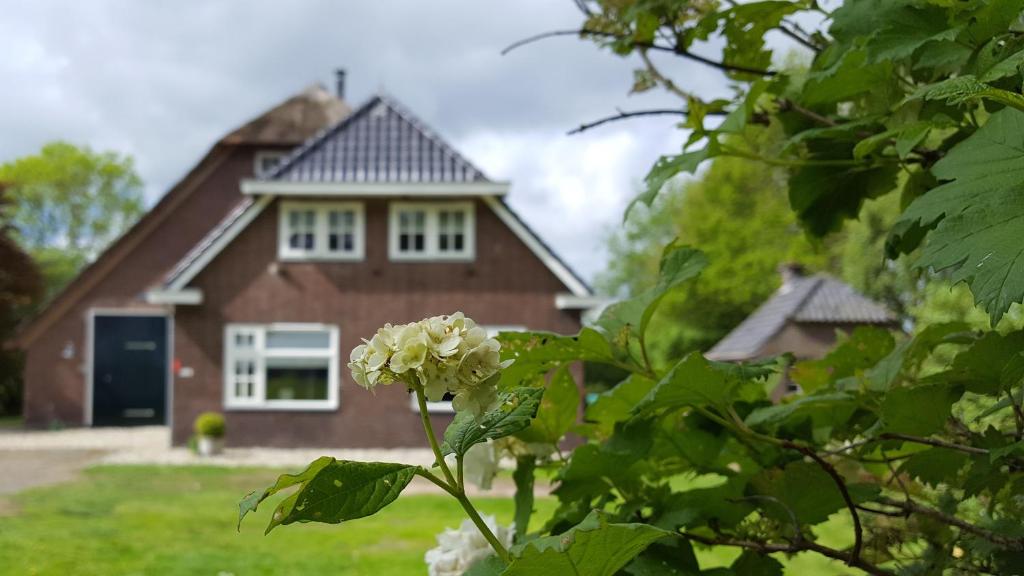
<point>817,299</point>
<point>380,141</point>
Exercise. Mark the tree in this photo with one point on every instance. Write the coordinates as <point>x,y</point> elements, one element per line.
<point>69,204</point>
<point>20,287</point>
<point>911,98</point>
<point>738,214</point>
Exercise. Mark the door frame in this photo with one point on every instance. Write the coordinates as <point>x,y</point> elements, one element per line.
<point>90,335</point>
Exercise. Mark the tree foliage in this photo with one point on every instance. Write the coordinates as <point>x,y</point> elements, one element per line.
<point>916,443</point>
<point>20,287</point>
<point>69,203</point>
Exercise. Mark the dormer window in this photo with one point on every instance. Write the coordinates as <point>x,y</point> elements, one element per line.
<point>432,231</point>
<point>321,231</point>
<point>266,161</point>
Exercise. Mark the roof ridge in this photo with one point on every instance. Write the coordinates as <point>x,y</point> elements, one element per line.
<point>819,281</point>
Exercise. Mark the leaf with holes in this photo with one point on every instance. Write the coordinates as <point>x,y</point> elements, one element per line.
<point>333,491</point>
<point>513,413</point>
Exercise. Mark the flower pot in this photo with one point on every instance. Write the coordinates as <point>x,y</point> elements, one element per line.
<point>209,446</point>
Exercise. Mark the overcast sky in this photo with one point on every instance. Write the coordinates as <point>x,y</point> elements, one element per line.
<point>162,81</point>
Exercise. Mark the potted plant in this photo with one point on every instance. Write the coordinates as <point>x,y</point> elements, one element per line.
<point>209,429</point>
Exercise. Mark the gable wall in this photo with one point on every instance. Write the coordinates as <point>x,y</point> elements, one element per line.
<point>55,386</point>
<point>506,284</point>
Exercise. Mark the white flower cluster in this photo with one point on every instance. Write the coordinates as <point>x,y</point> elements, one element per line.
<point>458,550</point>
<point>444,354</point>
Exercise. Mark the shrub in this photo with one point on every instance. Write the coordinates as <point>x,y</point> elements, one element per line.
<point>210,424</point>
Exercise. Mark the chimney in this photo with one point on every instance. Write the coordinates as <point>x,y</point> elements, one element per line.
<point>339,76</point>
<point>790,271</point>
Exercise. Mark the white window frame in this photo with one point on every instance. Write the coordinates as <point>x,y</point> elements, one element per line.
<point>432,229</point>
<point>259,354</point>
<point>445,406</point>
<point>262,155</point>
<point>321,229</point>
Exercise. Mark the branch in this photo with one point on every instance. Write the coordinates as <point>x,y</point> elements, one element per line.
<point>858,530</point>
<point>677,50</point>
<point>770,548</point>
<point>910,507</point>
<point>623,115</point>
<point>933,442</point>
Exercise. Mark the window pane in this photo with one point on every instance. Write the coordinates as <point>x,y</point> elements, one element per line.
<point>297,379</point>
<point>315,339</point>
<point>459,242</point>
<point>418,244</point>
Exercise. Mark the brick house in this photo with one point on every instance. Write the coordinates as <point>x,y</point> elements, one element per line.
<point>245,287</point>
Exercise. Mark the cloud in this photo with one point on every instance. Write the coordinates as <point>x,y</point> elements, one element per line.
<point>162,81</point>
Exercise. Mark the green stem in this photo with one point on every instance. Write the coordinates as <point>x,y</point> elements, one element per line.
<point>421,399</point>
<point>453,487</point>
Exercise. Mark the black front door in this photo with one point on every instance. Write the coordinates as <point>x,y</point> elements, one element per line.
<point>129,370</point>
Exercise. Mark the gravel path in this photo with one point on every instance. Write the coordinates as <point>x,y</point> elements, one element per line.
<point>39,458</point>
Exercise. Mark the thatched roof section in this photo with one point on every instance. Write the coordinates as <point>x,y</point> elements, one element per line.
<point>293,121</point>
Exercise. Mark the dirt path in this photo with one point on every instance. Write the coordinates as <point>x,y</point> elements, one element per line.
<point>24,469</point>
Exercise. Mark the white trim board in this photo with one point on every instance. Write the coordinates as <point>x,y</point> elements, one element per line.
<point>557,267</point>
<point>185,296</point>
<point>369,189</point>
<point>90,335</point>
<point>222,241</point>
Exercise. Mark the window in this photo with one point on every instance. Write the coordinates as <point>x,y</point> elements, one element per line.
<point>266,161</point>
<point>432,231</point>
<point>321,231</point>
<point>444,406</point>
<point>281,367</point>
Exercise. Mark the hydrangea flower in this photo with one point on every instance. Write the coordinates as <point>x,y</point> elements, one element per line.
<point>444,354</point>
<point>458,550</point>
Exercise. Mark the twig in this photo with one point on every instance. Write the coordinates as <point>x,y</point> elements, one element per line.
<point>933,442</point>
<point>803,545</point>
<point>858,530</point>
<point>623,115</point>
<point>665,81</point>
<point>677,50</point>
<point>911,507</point>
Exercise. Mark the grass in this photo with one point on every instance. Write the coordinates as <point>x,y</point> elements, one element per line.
<point>139,520</point>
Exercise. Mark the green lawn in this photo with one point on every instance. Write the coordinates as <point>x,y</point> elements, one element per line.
<point>135,520</point>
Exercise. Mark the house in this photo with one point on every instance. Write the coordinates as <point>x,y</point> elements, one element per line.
<point>244,289</point>
<point>803,317</point>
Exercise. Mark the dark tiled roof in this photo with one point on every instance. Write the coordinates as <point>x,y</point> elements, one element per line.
<point>379,142</point>
<point>807,299</point>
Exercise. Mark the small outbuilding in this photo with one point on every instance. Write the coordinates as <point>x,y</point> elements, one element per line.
<point>803,317</point>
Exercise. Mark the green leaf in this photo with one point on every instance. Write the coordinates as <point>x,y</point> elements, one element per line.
<point>801,489</point>
<point>333,491</point>
<point>754,564</point>
<point>678,265</point>
<point>534,354</point>
<point>980,368</point>
<point>253,499</point>
<point>523,476</point>
<point>673,557</point>
<point>594,547</point>
<point>848,76</point>
<point>667,168</point>
<point>823,196</point>
<point>514,412</point>
<point>907,29</point>
<point>489,566</point>
<point>967,88</point>
<point>978,218</point>
<point>920,410</point>
<point>1007,67</point>
<point>722,506</point>
<point>935,466</point>
<point>617,404</point>
<point>558,409</point>
<point>832,406</point>
<point>691,382</point>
